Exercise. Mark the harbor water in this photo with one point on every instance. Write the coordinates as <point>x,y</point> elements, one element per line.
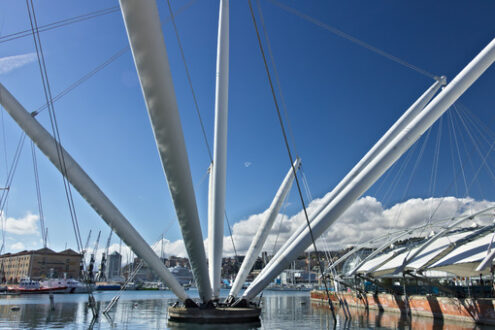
<point>148,310</point>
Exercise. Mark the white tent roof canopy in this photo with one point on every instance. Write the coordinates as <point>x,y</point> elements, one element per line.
<point>463,260</point>
<point>430,252</point>
<point>459,260</point>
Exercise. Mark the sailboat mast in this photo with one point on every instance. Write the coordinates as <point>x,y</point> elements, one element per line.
<point>219,166</point>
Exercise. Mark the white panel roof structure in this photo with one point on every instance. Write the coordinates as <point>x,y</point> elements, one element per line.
<point>376,262</point>
<point>420,260</point>
<point>463,260</point>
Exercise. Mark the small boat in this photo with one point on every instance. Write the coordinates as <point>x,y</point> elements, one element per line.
<point>153,286</point>
<point>27,285</point>
<point>72,285</point>
<point>107,286</point>
<point>287,287</point>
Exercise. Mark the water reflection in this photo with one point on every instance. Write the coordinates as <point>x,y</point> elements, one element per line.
<point>148,310</point>
<point>362,318</point>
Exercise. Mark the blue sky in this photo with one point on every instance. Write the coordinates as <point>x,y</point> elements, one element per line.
<point>340,97</point>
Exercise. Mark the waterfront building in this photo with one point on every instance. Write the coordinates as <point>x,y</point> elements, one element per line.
<point>39,264</point>
<point>114,267</point>
<point>182,274</point>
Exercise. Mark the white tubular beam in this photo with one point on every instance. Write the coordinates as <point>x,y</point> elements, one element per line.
<point>216,221</point>
<point>89,190</point>
<point>393,131</point>
<point>376,252</point>
<point>440,234</point>
<point>150,56</point>
<point>263,231</point>
<point>487,261</point>
<point>378,165</point>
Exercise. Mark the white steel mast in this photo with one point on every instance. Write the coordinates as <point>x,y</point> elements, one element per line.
<point>392,132</point>
<point>150,56</point>
<point>263,231</point>
<point>378,165</point>
<point>89,190</point>
<point>219,166</point>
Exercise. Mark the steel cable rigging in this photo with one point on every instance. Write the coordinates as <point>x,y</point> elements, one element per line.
<point>289,150</point>
<point>38,194</point>
<point>61,23</point>
<point>354,40</point>
<point>53,119</point>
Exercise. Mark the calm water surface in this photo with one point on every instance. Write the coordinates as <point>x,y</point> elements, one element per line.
<point>148,310</point>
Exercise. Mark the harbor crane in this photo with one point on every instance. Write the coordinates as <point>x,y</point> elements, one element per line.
<point>101,276</point>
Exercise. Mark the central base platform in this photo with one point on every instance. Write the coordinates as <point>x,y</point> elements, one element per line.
<point>215,315</point>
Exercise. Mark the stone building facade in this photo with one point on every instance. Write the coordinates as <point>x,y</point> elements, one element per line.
<point>39,264</point>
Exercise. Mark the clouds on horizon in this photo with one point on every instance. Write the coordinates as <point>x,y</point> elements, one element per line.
<point>364,220</point>
<point>10,63</point>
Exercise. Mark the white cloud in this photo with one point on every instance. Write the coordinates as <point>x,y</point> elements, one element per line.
<point>17,246</point>
<point>28,225</point>
<point>10,63</point>
<point>364,220</point>
<point>247,164</point>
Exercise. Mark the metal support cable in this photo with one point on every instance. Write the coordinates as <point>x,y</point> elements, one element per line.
<point>354,40</point>
<point>416,163</point>
<point>288,150</point>
<point>473,140</point>
<point>61,23</point>
<point>276,76</point>
<point>396,178</point>
<point>81,80</point>
<point>436,159</point>
<point>4,140</point>
<point>458,153</point>
<point>477,122</point>
<point>434,167</point>
<point>466,151</point>
<point>411,176</point>
<point>10,175</point>
<point>189,80</point>
<point>38,193</point>
<point>452,158</point>
<point>196,106</point>
<point>53,120</point>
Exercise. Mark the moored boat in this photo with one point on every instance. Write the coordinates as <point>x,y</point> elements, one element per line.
<point>72,285</point>
<point>29,286</point>
<point>107,286</point>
